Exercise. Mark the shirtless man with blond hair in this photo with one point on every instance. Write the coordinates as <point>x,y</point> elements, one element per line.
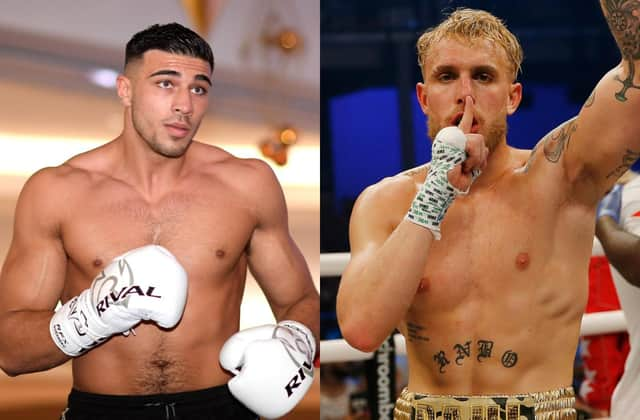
<point>489,297</point>
<point>147,240</point>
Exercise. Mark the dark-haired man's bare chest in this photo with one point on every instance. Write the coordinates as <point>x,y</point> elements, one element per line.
<point>208,231</point>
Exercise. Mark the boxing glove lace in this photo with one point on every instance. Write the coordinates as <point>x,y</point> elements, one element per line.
<point>273,366</point>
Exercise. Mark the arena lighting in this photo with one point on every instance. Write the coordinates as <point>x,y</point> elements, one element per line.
<point>24,155</point>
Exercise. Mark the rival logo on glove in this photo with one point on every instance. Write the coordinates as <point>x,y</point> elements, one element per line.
<point>294,382</point>
<point>59,335</point>
<point>103,305</point>
<point>295,347</point>
<point>74,315</point>
<point>120,297</point>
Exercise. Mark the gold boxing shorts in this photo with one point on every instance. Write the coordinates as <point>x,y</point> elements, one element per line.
<point>557,404</point>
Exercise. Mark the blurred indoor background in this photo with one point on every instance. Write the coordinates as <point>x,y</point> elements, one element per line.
<point>58,62</point>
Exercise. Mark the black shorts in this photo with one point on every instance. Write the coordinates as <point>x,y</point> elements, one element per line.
<point>206,404</point>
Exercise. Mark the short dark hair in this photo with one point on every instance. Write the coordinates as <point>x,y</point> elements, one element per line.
<point>173,38</point>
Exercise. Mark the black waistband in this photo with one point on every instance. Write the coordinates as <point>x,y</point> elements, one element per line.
<point>218,393</point>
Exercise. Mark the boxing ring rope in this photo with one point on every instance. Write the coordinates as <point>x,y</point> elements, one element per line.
<point>331,351</point>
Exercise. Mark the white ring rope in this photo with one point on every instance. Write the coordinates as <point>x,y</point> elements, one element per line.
<point>333,264</point>
<point>331,351</point>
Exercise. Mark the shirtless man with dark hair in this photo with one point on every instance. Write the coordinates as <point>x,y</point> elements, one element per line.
<point>147,240</point>
<point>490,296</point>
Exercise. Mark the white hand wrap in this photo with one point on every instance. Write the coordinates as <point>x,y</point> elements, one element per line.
<point>436,194</point>
<point>273,365</point>
<point>146,283</point>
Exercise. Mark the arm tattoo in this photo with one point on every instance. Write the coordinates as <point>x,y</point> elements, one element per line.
<point>626,83</point>
<point>627,160</point>
<point>590,100</point>
<point>416,333</point>
<point>558,140</point>
<point>623,17</point>
<point>417,170</point>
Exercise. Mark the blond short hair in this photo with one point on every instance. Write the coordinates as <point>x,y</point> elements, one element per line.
<point>470,25</point>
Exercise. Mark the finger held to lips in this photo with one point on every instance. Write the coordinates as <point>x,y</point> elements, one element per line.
<point>466,122</point>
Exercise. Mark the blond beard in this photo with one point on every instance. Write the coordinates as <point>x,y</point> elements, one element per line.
<point>497,131</point>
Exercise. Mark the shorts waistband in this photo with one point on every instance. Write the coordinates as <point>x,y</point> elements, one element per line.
<point>131,401</point>
<point>557,404</point>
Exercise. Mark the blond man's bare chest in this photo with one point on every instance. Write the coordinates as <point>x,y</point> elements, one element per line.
<point>506,246</point>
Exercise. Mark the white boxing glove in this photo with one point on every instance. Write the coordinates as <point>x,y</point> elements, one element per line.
<point>147,283</point>
<point>273,365</point>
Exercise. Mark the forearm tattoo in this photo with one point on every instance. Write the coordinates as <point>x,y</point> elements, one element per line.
<point>558,140</point>
<point>628,159</point>
<point>626,83</point>
<point>483,350</point>
<point>623,17</point>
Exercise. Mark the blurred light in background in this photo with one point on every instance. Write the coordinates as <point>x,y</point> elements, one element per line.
<point>24,155</point>
<point>105,78</point>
